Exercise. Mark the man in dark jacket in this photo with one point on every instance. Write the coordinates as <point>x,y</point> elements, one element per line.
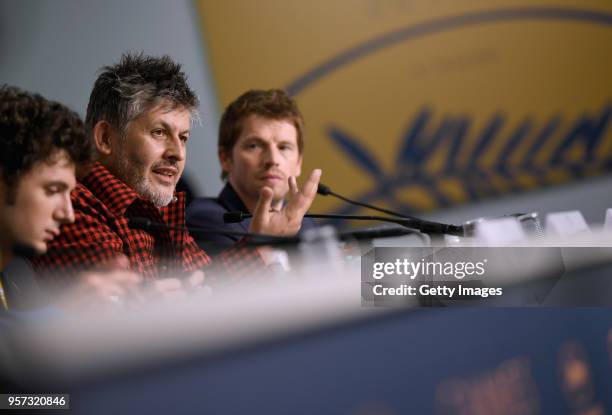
<point>261,142</point>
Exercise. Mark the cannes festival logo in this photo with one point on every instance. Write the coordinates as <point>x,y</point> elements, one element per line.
<point>535,151</point>
<point>582,137</point>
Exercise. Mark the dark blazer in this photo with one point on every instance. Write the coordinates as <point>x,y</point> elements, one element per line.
<point>21,286</point>
<point>207,213</point>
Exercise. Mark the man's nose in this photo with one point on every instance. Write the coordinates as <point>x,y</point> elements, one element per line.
<point>65,212</point>
<point>175,148</point>
<point>272,156</point>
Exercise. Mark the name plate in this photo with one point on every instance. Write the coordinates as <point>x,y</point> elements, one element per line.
<point>500,232</point>
<point>566,223</point>
<point>608,221</point>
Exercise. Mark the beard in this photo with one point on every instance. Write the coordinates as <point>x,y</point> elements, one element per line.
<point>134,174</point>
<point>143,187</point>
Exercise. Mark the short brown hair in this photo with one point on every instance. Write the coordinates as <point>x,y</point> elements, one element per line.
<point>273,103</point>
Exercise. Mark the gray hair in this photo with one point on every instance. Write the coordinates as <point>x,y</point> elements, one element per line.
<point>125,90</point>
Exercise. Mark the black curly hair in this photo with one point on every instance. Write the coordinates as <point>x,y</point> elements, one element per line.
<point>33,129</point>
<point>125,90</point>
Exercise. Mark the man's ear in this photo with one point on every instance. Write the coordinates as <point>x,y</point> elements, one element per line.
<point>102,133</point>
<point>225,160</point>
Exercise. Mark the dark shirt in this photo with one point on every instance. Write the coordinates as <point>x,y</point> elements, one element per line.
<point>206,213</point>
<point>20,285</point>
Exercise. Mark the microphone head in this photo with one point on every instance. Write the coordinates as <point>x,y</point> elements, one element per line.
<point>233,217</point>
<point>323,190</point>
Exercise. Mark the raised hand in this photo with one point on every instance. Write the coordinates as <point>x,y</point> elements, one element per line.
<point>287,220</point>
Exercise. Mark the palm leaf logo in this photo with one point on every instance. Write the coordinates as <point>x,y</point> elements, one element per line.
<point>480,163</point>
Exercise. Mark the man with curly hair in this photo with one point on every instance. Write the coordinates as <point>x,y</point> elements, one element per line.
<point>261,143</point>
<point>41,143</point>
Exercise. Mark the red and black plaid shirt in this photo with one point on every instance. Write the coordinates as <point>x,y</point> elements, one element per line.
<point>103,205</point>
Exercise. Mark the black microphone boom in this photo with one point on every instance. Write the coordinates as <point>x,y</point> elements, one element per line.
<point>430,227</point>
<point>258,239</point>
<point>379,232</point>
<point>235,217</point>
<point>413,223</point>
<point>149,225</point>
<point>326,191</point>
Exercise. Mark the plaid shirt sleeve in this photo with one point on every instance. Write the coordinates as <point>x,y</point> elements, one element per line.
<point>101,233</point>
<point>91,241</point>
<point>87,243</point>
<point>238,263</point>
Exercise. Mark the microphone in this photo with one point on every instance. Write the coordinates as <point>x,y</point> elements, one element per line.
<point>418,224</point>
<point>454,229</point>
<point>325,191</point>
<point>149,225</point>
<point>378,232</point>
<point>382,232</point>
<point>235,217</point>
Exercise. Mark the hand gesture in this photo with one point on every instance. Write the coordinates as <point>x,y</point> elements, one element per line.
<point>288,219</point>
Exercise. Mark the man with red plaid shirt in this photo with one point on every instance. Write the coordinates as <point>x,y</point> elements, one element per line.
<point>139,116</point>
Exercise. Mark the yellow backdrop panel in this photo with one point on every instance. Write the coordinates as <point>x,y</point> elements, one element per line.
<point>417,105</point>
